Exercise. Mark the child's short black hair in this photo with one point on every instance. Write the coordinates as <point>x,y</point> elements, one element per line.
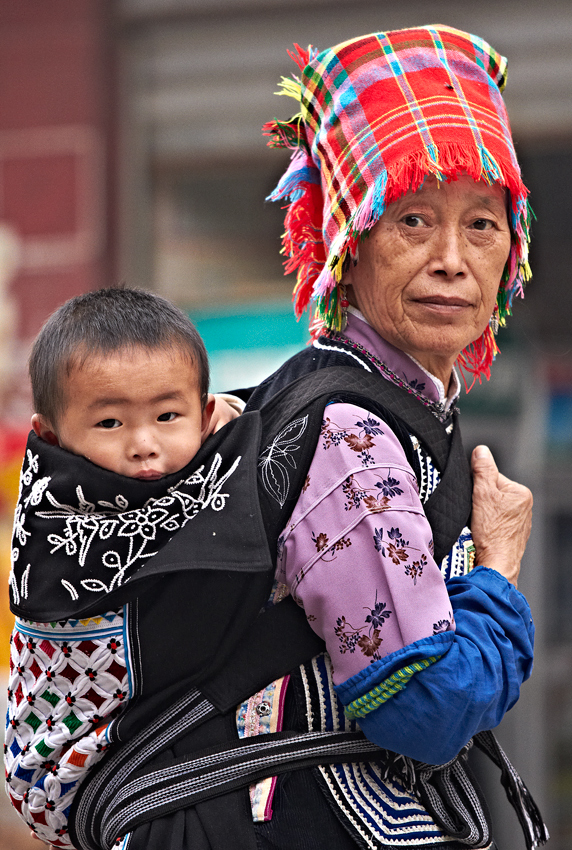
<point>102,322</point>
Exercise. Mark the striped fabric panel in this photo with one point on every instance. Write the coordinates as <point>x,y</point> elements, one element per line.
<point>375,807</point>
<point>341,86</point>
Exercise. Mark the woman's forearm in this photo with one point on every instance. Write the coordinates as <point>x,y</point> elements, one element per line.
<point>471,686</point>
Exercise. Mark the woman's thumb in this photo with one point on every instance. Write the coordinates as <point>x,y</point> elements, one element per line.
<point>483,462</point>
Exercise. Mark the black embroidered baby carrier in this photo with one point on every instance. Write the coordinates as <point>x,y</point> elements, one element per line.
<point>200,593</point>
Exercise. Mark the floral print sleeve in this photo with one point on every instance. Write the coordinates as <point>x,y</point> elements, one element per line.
<point>357,552</point>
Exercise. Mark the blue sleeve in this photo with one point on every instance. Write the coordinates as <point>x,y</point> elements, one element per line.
<point>467,689</point>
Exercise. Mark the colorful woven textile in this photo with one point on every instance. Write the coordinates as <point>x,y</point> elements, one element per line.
<point>377,115</point>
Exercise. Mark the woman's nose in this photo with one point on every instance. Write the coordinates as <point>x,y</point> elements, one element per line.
<point>448,256</point>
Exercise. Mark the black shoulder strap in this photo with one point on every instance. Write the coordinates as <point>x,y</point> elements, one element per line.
<point>447,509</point>
<point>333,380</point>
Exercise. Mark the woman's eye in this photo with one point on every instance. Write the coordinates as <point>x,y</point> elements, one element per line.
<point>482,224</point>
<point>109,423</point>
<point>413,221</point>
<point>166,417</point>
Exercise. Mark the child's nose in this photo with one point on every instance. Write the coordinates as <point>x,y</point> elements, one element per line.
<point>143,446</point>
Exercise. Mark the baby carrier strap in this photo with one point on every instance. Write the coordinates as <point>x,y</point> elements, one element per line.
<point>333,382</point>
<point>127,791</point>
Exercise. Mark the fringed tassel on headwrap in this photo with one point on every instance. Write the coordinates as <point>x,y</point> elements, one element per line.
<point>302,241</point>
<point>478,357</point>
<point>302,57</point>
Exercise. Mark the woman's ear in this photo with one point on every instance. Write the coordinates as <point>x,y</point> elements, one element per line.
<point>43,429</point>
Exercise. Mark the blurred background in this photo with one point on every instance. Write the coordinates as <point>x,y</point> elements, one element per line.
<point>130,149</point>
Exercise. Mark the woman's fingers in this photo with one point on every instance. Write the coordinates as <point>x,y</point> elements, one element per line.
<point>501,518</point>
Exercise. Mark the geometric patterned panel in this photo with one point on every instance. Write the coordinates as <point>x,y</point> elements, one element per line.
<point>68,681</point>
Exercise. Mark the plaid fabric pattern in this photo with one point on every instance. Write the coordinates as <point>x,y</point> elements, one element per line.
<point>377,115</point>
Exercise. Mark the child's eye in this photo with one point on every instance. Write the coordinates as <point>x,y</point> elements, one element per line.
<point>166,417</point>
<point>109,423</point>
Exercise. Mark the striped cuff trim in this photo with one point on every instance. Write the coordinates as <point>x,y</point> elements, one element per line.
<point>387,689</point>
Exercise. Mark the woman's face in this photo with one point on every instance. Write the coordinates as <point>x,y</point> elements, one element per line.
<point>429,271</point>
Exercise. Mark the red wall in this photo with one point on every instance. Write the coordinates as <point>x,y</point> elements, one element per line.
<point>56,104</point>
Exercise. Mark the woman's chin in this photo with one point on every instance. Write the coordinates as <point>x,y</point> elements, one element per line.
<point>439,346</point>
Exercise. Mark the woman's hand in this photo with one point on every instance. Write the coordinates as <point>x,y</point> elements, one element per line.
<point>502,516</point>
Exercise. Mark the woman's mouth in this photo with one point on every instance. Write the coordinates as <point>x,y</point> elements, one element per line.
<point>443,303</point>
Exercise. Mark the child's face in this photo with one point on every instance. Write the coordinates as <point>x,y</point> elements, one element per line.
<point>136,412</point>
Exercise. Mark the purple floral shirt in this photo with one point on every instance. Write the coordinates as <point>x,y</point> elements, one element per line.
<point>357,551</point>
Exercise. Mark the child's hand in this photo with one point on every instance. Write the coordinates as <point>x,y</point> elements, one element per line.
<point>226,408</point>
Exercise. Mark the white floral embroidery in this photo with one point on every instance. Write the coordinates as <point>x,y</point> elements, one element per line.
<point>276,458</point>
<point>24,582</point>
<point>71,589</point>
<point>22,591</point>
<point>27,475</point>
<point>19,532</point>
<point>86,522</point>
<point>14,585</point>
<point>37,492</point>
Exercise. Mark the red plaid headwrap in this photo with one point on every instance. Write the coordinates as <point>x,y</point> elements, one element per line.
<point>378,114</point>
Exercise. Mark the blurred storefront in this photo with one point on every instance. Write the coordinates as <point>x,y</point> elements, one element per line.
<point>130,149</point>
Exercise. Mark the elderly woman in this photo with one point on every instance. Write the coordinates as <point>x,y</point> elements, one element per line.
<point>408,224</point>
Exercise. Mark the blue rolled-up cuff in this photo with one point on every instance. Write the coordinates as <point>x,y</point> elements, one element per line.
<point>468,689</point>
<point>377,672</point>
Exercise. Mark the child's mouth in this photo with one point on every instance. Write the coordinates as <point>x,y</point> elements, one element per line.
<point>148,475</point>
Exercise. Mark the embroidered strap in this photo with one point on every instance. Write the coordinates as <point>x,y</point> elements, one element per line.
<point>386,689</point>
<point>189,712</point>
<point>121,794</point>
<point>127,798</point>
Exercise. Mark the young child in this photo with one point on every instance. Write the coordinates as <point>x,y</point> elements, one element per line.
<point>121,377</point>
<point>120,388</point>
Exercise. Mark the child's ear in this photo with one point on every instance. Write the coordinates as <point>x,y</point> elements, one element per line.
<point>43,429</point>
<point>207,416</point>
